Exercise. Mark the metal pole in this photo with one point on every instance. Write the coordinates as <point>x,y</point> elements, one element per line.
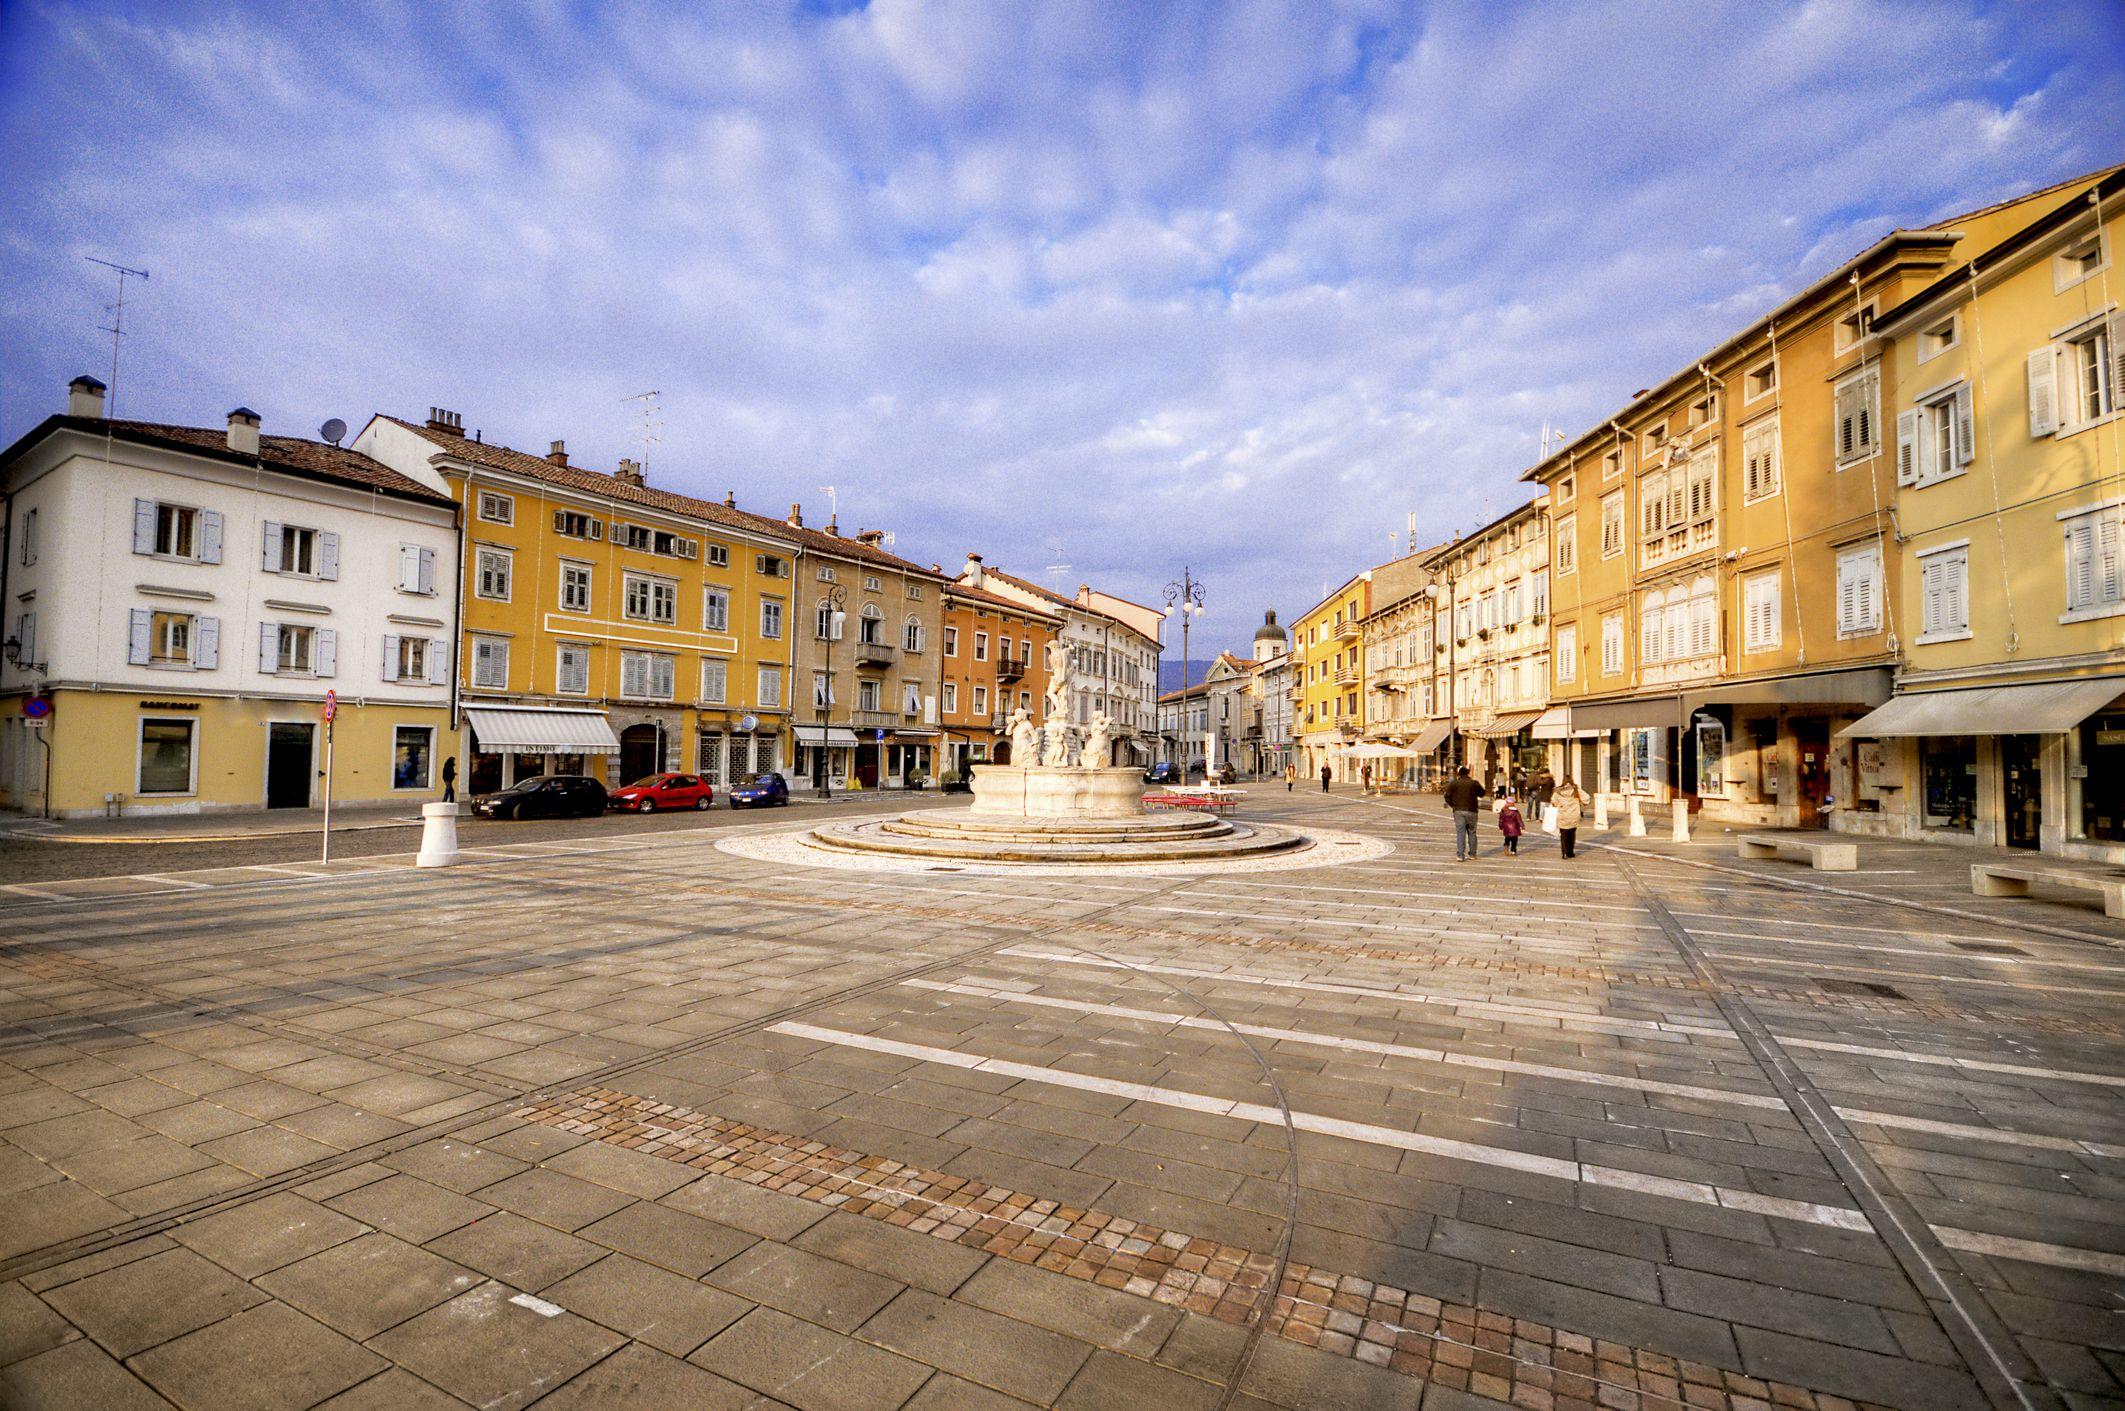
<point>326,853</point>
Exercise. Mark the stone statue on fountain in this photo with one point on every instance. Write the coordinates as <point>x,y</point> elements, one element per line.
<point>1099,743</point>
<point>1025,738</point>
<point>1056,703</point>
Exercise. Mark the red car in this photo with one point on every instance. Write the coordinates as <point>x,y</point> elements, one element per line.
<point>663,791</point>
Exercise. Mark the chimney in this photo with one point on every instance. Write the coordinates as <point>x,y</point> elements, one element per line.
<point>796,516</point>
<point>84,397</point>
<point>874,537</point>
<point>730,499</point>
<point>243,431</point>
<point>833,523</point>
<point>629,473</point>
<point>446,421</point>
<point>974,570</point>
<point>557,453</point>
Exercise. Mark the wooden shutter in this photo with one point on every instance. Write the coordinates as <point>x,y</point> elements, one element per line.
<point>1847,400</point>
<point>1965,428</point>
<point>143,526</point>
<point>325,656</point>
<point>1907,437</point>
<point>328,557</point>
<point>1931,575</point>
<point>2115,329</point>
<point>139,644</point>
<point>26,634</point>
<point>390,657</point>
<point>438,661</point>
<point>1956,592</point>
<point>210,536</point>
<point>2109,558</point>
<point>269,547</point>
<point>269,647</point>
<point>2043,391</point>
<point>631,674</point>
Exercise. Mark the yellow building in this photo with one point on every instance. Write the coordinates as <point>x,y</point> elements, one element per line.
<point>607,627</point>
<point>1725,564</point>
<point>1328,653</point>
<point>2008,724</point>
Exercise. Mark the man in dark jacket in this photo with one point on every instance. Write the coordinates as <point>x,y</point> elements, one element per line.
<point>1463,796</point>
<point>1326,775</point>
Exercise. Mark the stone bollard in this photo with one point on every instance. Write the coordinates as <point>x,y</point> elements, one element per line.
<point>1682,820</point>
<point>438,836</point>
<point>1637,824</point>
<point>1601,810</point>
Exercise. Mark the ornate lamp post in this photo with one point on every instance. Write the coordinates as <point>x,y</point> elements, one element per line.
<point>832,601</point>
<point>1185,596</point>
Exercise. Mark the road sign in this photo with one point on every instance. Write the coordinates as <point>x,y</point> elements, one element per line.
<point>331,704</point>
<point>879,736</point>
<point>36,722</point>
<point>37,708</point>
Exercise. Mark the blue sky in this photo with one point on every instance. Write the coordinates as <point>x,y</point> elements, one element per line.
<point>1240,285</point>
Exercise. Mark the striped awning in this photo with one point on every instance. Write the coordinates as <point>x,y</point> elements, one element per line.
<point>541,730</point>
<point>1502,726</point>
<point>1432,736</point>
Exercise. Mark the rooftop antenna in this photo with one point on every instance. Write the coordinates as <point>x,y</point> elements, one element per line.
<point>116,327</point>
<point>652,421</point>
<point>1412,531</point>
<point>833,504</point>
<point>1059,566</point>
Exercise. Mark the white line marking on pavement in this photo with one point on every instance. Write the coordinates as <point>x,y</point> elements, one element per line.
<point>1942,1060</point>
<point>2033,1251</point>
<point>538,1305</point>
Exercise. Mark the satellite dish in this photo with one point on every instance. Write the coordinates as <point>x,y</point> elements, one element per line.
<point>334,431</point>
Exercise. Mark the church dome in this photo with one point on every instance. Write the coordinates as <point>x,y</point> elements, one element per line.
<point>1271,634</point>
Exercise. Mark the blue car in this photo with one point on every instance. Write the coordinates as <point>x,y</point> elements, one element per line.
<point>766,789</point>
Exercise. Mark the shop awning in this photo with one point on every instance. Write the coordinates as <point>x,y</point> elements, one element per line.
<point>541,730</point>
<point>826,735</point>
<point>1432,736</point>
<point>1553,724</point>
<point>1503,726</point>
<point>2045,709</point>
<point>1638,713</point>
<point>1859,686</point>
<point>1376,750</point>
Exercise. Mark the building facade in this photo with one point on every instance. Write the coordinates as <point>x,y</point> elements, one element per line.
<point>181,602</point>
<point>994,660</point>
<point>1265,745</point>
<point>1404,708</point>
<point>2008,724</point>
<point>1328,666</point>
<point>606,627</point>
<point>1113,659</point>
<point>1491,669</point>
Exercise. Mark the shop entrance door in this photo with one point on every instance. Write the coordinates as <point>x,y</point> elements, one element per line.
<point>641,752</point>
<point>2021,768</point>
<point>1811,743</point>
<point>288,765</point>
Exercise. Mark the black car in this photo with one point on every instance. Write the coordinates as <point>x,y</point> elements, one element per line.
<point>544,796</point>
<point>1165,772</point>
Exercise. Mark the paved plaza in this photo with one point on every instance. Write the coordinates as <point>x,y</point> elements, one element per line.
<point>631,1119</point>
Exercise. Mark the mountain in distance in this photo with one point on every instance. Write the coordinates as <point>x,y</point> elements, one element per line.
<point>1169,673</point>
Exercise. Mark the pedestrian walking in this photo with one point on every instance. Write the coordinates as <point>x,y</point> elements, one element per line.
<point>1291,777</point>
<point>1325,777</point>
<point>1463,797</point>
<point>450,779</point>
<point>1511,824</point>
<point>1570,803</point>
<point>1368,778</point>
<point>1543,790</point>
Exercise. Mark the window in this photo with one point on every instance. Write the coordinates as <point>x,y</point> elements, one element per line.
<point>871,583</point>
<point>951,698</point>
<point>2081,260</point>
<point>715,680</point>
<point>981,646</point>
<point>646,675</point>
<point>294,648</point>
<point>2095,562</point>
<point>870,628</point>
<point>1759,459</point>
<point>1859,606</point>
<point>1567,486</point>
<point>302,552</point>
<point>1759,381</point>
<point>981,700</point>
<point>29,537</point>
<point>1704,410</point>
<point>867,695</point>
<point>497,509</point>
<point>827,622</point>
<point>490,663</point>
<point>911,699</point>
<point>1762,612</point>
<point>770,688</point>
<point>719,556</point>
<point>166,755</point>
<point>170,642</point>
<point>1944,593</point>
<point>1612,465</point>
<point>1939,337</point>
<point>575,587</point>
<point>165,639</point>
<point>1612,645</point>
<point>1567,654</point>
<point>911,635</point>
<point>1853,328</point>
<point>176,532</point>
<point>416,570</point>
<point>647,599</point>
<point>715,610</point>
<point>1612,524</point>
<point>822,690</point>
<point>827,574</point>
<point>405,658</point>
<point>1857,429</point>
<point>914,591</point>
<point>771,565</point>
<point>493,576</point>
<point>577,525</point>
<point>412,755</point>
<point>571,674</point>
<point>951,641</point>
<point>1935,440</point>
<point>771,618</point>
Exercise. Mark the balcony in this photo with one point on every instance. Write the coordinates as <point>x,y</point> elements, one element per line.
<point>874,719</point>
<point>1347,632</point>
<point>1346,676</point>
<point>874,654</point>
<point>1009,669</point>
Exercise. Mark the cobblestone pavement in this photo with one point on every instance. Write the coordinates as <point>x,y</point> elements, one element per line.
<point>623,1120</point>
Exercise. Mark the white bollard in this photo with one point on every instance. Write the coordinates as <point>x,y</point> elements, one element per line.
<point>1637,824</point>
<point>438,836</point>
<point>1601,810</point>
<point>1682,820</point>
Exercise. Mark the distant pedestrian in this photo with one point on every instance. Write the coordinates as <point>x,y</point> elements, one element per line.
<point>450,780</point>
<point>1463,797</point>
<point>1326,775</point>
<point>1511,825</point>
<point>1570,803</point>
<point>1543,789</point>
<point>1291,777</point>
<point>1368,778</point>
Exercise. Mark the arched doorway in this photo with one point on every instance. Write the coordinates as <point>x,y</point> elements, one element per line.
<point>641,752</point>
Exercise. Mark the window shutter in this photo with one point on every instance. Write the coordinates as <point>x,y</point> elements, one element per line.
<point>2110,558</point>
<point>1847,607</point>
<point>2043,391</point>
<point>143,526</point>
<point>1956,598</point>
<point>630,674</point>
<point>427,580</point>
<point>1930,582</point>
<point>438,661</point>
<point>328,557</point>
<point>1846,401</point>
<point>138,647</point>
<point>1965,428</point>
<point>210,536</point>
<point>206,643</point>
<point>2116,331</point>
<point>269,548</point>
<point>1907,424</point>
<point>327,657</point>
<point>268,647</point>
<point>409,568</point>
<point>390,657</point>
<point>560,521</point>
<point>26,634</point>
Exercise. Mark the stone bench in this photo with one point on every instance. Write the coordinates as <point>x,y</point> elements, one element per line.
<point>1822,856</point>
<point>2007,879</point>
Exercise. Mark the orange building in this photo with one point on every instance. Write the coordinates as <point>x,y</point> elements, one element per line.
<point>995,660</point>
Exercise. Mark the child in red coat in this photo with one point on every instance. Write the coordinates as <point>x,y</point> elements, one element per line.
<point>1511,825</point>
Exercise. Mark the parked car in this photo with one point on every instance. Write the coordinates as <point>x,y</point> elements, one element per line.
<point>1164,772</point>
<point>544,796</point>
<point>664,791</point>
<point>766,789</point>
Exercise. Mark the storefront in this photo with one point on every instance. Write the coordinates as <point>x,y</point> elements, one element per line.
<point>509,743</point>
<point>826,756</point>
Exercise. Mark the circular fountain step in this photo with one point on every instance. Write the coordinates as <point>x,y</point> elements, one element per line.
<point>956,836</point>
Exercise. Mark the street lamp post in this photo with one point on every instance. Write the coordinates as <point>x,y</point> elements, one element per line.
<point>1453,732</point>
<point>1185,596</point>
<point>822,772</point>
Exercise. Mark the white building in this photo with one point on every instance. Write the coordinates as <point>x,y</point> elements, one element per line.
<point>180,600</point>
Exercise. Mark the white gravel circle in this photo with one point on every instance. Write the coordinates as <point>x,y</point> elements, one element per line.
<point>1329,848</point>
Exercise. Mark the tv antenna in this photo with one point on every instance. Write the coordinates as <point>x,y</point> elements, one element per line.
<point>652,420</point>
<point>1060,566</point>
<point>116,327</point>
<point>833,504</point>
